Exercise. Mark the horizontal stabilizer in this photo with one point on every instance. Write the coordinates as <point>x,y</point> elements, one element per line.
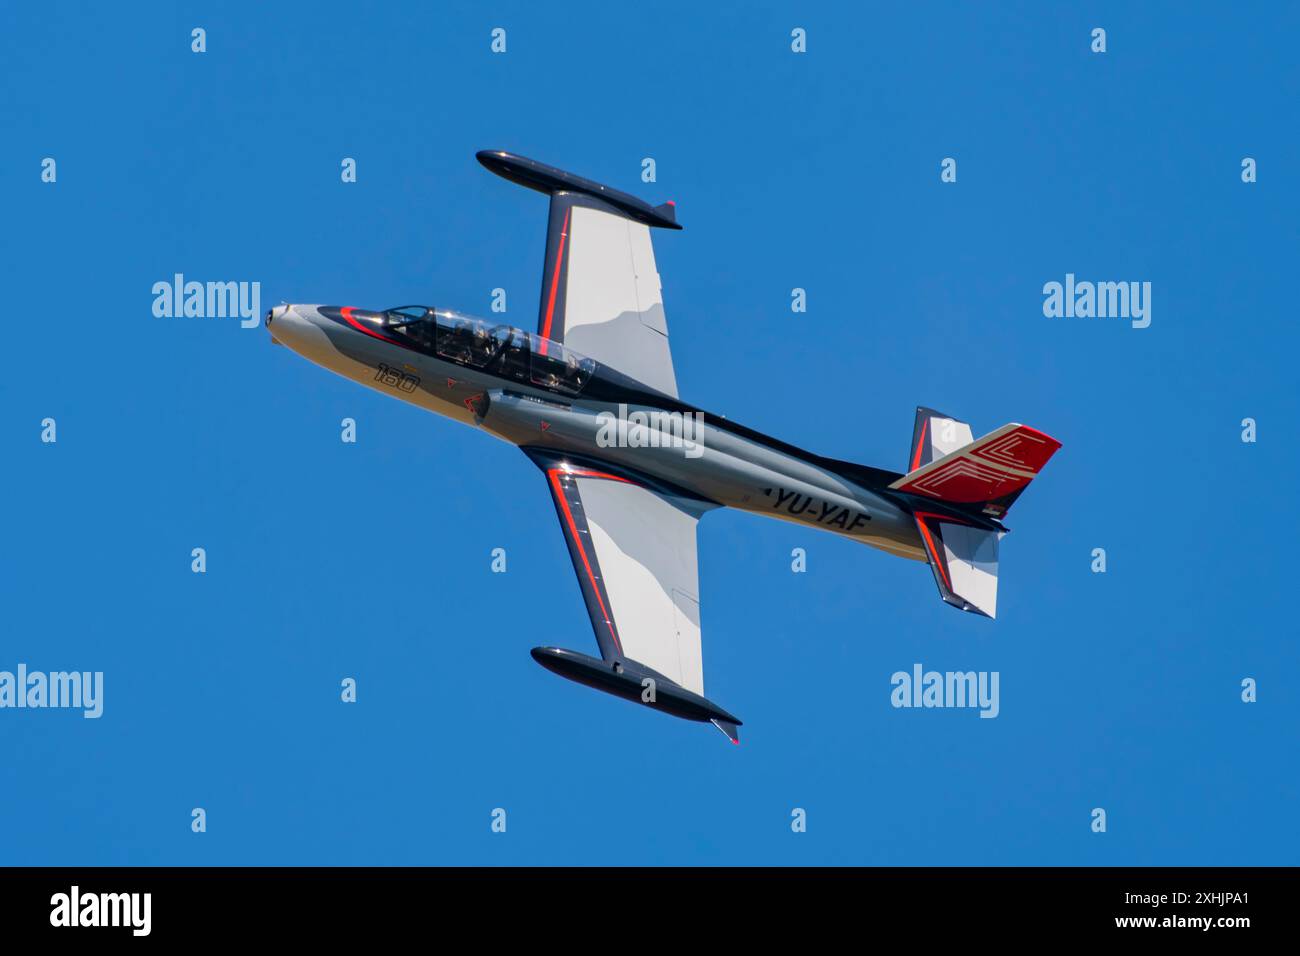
<point>986,475</point>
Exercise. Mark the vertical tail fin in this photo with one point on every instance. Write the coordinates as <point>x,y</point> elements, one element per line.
<point>935,435</point>
<point>982,477</point>
<point>964,560</point>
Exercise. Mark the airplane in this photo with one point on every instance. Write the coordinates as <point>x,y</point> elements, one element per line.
<point>591,398</point>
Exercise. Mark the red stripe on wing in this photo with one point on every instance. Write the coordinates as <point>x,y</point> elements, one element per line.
<point>554,475</point>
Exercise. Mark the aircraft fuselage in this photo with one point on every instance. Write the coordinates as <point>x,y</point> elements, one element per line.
<point>608,419</point>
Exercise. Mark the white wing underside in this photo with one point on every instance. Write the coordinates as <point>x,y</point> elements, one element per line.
<point>614,310</point>
<point>634,551</point>
<point>646,550</point>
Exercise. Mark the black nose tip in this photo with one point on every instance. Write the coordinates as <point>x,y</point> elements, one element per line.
<point>269,314</point>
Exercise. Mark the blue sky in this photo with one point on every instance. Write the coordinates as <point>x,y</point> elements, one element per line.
<point>1118,690</point>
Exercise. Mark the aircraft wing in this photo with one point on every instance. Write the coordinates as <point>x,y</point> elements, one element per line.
<point>633,547</point>
<point>600,286</point>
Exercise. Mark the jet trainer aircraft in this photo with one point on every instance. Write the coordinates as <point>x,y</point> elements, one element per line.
<point>591,398</point>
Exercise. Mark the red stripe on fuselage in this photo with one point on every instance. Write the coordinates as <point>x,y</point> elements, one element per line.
<point>346,312</point>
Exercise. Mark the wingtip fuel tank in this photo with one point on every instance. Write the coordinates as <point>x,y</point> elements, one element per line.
<point>637,683</point>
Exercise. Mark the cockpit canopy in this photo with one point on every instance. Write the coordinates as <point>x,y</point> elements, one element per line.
<point>478,343</point>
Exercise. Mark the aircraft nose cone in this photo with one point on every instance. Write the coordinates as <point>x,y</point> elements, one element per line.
<point>284,324</point>
<point>302,329</point>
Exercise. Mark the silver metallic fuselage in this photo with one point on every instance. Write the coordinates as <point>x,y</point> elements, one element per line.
<point>715,463</point>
